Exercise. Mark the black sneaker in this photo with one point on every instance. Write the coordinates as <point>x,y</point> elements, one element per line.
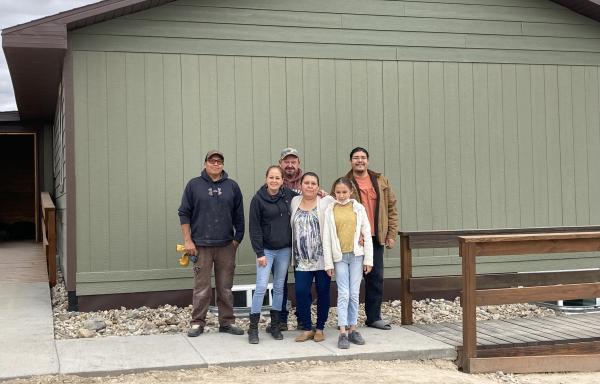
<point>343,342</point>
<point>356,338</point>
<point>195,330</point>
<point>231,329</point>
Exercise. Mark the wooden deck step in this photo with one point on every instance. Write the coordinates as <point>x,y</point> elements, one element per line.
<point>22,262</point>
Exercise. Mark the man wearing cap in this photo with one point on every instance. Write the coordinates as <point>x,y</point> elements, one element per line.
<point>212,221</point>
<point>374,192</point>
<point>289,161</point>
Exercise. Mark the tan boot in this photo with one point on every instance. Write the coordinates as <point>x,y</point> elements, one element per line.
<point>304,336</point>
<point>319,336</point>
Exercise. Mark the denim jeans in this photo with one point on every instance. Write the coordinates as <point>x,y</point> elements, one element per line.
<point>278,260</point>
<point>374,285</point>
<point>348,274</point>
<point>303,287</point>
<point>284,313</point>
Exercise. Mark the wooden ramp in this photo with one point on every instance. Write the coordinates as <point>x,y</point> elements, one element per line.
<point>22,262</point>
<point>576,335</point>
<point>519,332</point>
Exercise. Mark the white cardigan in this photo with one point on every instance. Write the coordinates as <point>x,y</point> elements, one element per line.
<point>331,243</point>
<point>322,204</point>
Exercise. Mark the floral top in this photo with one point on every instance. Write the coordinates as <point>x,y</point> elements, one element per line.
<point>307,248</point>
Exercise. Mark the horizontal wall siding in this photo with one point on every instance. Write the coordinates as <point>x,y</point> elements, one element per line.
<point>483,114</point>
<point>502,31</point>
<point>464,145</point>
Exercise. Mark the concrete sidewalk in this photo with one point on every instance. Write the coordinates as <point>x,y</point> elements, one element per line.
<point>29,347</point>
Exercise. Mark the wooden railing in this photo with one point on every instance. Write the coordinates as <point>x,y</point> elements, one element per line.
<point>446,286</point>
<point>49,235</point>
<point>568,357</point>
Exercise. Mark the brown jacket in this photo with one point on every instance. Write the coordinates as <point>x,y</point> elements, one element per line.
<point>386,214</point>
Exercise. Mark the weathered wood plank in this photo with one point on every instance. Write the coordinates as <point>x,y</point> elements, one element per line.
<point>547,349</point>
<point>541,293</point>
<point>531,364</point>
<point>441,332</point>
<point>551,332</point>
<point>502,280</point>
<point>454,341</point>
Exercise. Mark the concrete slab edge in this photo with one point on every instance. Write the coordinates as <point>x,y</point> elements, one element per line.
<point>124,371</point>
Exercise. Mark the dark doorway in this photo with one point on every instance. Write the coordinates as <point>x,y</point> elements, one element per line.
<point>17,187</point>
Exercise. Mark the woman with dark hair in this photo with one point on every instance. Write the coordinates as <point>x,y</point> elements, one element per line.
<point>307,256</point>
<point>271,237</point>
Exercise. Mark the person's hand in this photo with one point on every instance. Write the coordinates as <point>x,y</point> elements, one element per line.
<point>235,243</point>
<point>190,247</point>
<point>261,261</point>
<point>361,240</point>
<point>330,272</point>
<point>389,243</point>
<point>322,193</point>
<point>367,268</point>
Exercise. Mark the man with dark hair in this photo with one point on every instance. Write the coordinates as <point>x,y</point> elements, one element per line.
<point>212,221</point>
<point>373,190</point>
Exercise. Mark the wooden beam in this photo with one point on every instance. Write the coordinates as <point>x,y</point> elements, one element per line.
<point>534,364</point>
<point>528,247</point>
<point>449,238</point>
<point>589,346</point>
<point>503,280</point>
<point>541,293</point>
<point>405,279</point>
<point>468,303</point>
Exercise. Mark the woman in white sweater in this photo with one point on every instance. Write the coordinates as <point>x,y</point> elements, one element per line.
<point>346,226</point>
<point>307,256</point>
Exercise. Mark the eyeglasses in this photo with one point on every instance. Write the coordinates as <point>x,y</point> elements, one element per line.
<point>360,158</point>
<point>214,162</point>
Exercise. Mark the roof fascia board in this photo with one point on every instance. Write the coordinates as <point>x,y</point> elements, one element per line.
<point>74,15</point>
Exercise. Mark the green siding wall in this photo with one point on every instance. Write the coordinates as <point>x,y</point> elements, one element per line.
<point>508,139</point>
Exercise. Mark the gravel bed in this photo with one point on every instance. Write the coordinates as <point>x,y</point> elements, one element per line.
<point>172,319</point>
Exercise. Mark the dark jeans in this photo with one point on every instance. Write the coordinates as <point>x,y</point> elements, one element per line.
<point>374,285</point>
<point>284,313</point>
<point>304,298</point>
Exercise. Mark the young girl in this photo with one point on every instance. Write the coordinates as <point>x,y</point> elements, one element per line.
<point>346,222</point>
<point>271,237</point>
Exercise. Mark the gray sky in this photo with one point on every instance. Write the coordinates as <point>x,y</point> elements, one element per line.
<point>13,12</point>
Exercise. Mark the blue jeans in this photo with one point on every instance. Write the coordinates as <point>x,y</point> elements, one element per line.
<point>348,274</point>
<point>278,260</point>
<point>303,286</point>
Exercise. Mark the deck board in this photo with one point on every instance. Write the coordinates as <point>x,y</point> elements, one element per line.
<point>519,332</point>
<point>22,262</point>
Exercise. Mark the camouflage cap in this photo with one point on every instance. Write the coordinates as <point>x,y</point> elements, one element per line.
<point>287,152</point>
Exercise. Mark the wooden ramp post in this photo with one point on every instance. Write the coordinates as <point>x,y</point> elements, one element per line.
<point>574,357</point>
<point>49,235</point>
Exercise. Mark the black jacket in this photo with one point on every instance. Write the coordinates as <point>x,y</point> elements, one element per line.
<point>214,209</point>
<point>270,220</point>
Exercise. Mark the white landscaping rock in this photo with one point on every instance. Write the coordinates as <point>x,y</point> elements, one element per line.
<point>168,319</point>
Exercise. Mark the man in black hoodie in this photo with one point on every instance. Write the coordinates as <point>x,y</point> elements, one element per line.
<point>212,220</point>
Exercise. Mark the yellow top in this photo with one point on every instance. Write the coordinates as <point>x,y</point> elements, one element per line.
<point>345,224</point>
